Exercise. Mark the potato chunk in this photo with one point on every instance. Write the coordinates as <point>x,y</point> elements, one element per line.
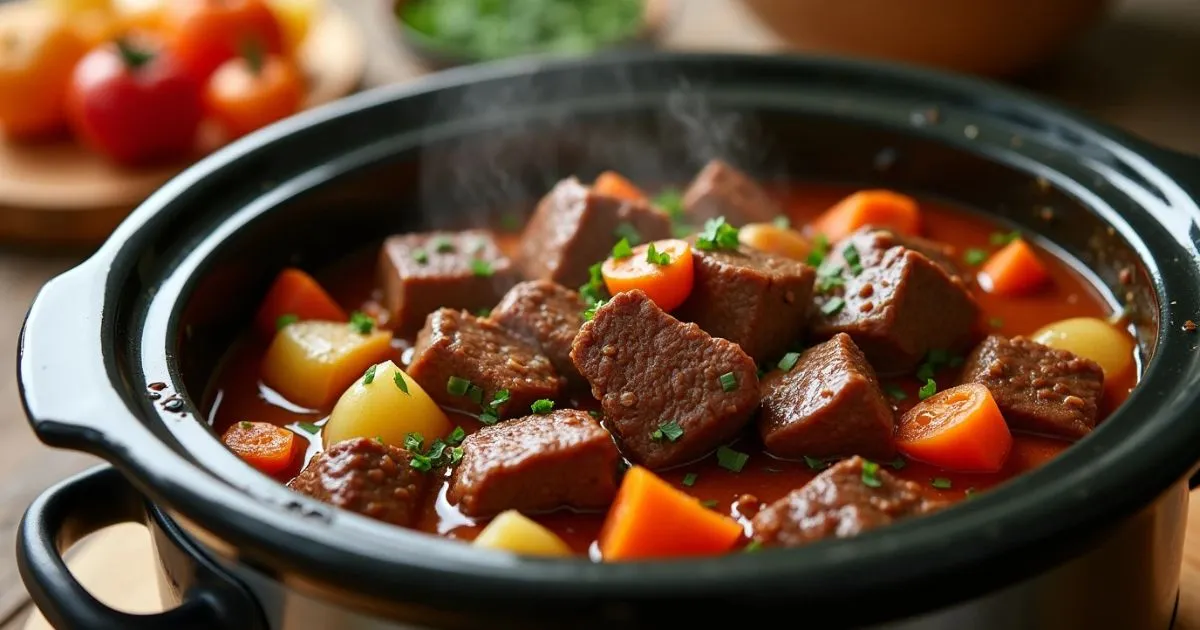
<point>382,408</point>
<point>311,363</point>
<point>512,531</point>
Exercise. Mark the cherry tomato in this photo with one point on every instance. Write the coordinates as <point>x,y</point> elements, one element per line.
<point>133,102</point>
<point>38,51</point>
<point>207,33</point>
<point>250,92</point>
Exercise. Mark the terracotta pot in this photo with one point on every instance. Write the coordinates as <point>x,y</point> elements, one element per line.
<point>993,37</point>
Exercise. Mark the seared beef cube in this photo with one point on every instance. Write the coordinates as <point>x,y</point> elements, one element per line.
<point>896,304</point>
<point>1038,388</point>
<point>548,316</point>
<point>368,477</point>
<point>720,190</point>
<point>461,361</point>
<point>843,501</point>
<point>536,463</point>
<point>829,404</point>
<point>756,300</point>
<point>573,228</point>
<point>872,243</point>
<point>669,391</point>
<point>420,273</point>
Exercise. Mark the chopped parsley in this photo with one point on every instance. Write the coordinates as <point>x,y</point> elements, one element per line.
<point>595,414</point>
<point>894,392</point>
<point>934,361</point>
<point>820,248</point>
<point>782,222</point>
<point>671,200</point>
<point>898,463</point>
<point>996,322</point>
<point>853,261</point>
<point>309,427</point>
<point>361,323</point>
<point>456,436</point>
<point>669,430</point>
<point>870,475</point>
<point>974,256</point>
<point>728,381</point>
<point>456,454</point>
<point>752,547</point>
<point>941,483</point>
<point>730,459</point>
<point>927,390</point>
<point>483,312</point>
<point>655,257</point>
<point>488,418</point>
<point>481,267</point>
<point>377,439</point>
<point>626,232</point>
<point>286,320</point>
<point>542,407</point>
<point>925,371</point>
<point>709,503</point>
<point>594,291</point>
<point>622,250</point>
<point>456,386</point>
<point>717,234</point>
<point>833,306</point>
<point>475,393</point>
<point>1004,238</point>
<point>420,256</point>
<point>825,284</point>
<point>440,453</point>
<point>499,398</point>
<point>788,361</point>
<point>591,310</point>
<point>442,245</point>
<point>369,376</point>
<point>689,479</point>
<point>413,442</point>
<point>400,383</point>
<point>816,463</point>
<point>421,462</point>
<point>244,425</point>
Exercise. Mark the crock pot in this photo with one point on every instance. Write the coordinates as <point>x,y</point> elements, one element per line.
<point>116,354</point>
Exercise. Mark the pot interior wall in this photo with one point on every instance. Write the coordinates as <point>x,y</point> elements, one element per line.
<point>497,173</point>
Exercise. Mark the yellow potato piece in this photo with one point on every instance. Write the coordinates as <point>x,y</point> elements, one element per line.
<point>1093,339</point>
<point>311,363</point>
<point>772,239</point>
<point>512,531</point>
<point>381,409</point>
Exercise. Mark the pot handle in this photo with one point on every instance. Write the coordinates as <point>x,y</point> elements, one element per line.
<point>87,503</point>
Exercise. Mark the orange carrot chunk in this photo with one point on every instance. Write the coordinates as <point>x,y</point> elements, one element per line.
<point>295,296</point>
<point>612,184</point>
<point>270,449</point>
<point>651,519</point>
<point>878,208</point>
<point>957,429</point>
<point>1014,270</point>
<point>661,269</point>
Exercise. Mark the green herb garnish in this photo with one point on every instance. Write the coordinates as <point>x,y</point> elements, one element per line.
<point>456,436</point>
<point>729,381</point>
<point>820,249</point>
<point>974,256</point>
<point>542,407</point>
<point>400,383</point>
<point>481,267</point>
<point>590,313</point>
<point>717,234</point>
<point>442,245</point>
<point>483,312</point>
<point>309,427</point>
<point>941,483</point>
<point>1003,238</point>
<point>894,392</point>
<point>626,232</point>
<point>420,256</point>
<point>622,250</point>
<point>361,323</point>
<point>655,257</point>
<point>594,291</point>
<point>730,459</point>
<point>752,547</point>
<point>816,463</point>
<point>414,442</point>
<point>870,475</point>
<point>669,430</point>
<point>927,390</point>
<point>456,386</point>
<point>853,261</point>
<point>788,361</point>
<point>833,306</point>
<point>709,503</point>
<point>286,320</point>
<point>689,479</point>
<point>244,425</point>
<point>898,463</point>
<point>825,284</point>
<point>782,222</point>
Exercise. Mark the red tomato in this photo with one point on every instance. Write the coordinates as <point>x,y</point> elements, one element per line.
<point>247,93</point>
<point>134,103</point>
<point>207,33</point>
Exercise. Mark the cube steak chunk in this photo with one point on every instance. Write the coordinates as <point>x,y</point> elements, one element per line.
<point>758,301</point>
<point>896,304</point>
<point>548,316</point>
<point>829,404</point>
<point>574,228</point>
<point>1038,388</point>
<point>536,463</point>
<point>648,369</point>
<point>367,477</point>
<point>838,503</point>
<point>720,190</point>
<point>420,273</point>
<point>458,344</point>
<point>873,242</point>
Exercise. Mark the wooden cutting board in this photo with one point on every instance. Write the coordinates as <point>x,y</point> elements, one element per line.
<point>63,194</point>
<point>117,566</point>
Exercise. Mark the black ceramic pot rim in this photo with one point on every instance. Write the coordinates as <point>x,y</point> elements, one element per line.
<point>1146,447</point>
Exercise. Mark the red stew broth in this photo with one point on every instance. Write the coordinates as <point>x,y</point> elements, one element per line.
<point>238,394</point>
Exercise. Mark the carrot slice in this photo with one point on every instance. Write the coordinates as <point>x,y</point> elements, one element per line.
<point>612,184</point>
<point>1013,270</point>
<point>651,519</point>
<point>878,208</point>
<point>297,295</point>
<point>270,449</point>
<point>957,429</point>
<point>665,275</point>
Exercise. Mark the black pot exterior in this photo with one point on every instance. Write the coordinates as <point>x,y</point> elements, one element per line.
<point>160,302</point>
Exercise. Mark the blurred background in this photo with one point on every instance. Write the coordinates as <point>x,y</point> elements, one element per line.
<point>103,100</point>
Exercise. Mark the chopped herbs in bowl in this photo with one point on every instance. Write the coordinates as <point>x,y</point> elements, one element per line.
<point>463,31</point>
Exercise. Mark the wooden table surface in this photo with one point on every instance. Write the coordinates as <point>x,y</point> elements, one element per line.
<point>1137,70</point>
